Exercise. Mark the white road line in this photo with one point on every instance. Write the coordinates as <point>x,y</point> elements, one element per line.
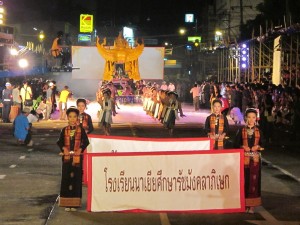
<point>22,157</point>
<point>30,150</point>
<point>42,139</point>
<point>12,166</point>
<point>47,134</point>
<point>164,219</point>
<point>51,130</point>
<point>269,219</point>
<point>282,170</point>
<point>2,177</point>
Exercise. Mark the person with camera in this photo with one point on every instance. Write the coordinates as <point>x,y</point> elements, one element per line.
<point>26,96</point>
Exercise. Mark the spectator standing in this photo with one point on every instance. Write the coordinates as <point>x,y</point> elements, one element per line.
<point>26,94</point>
<point>164,86</point>
<point>171,87</point>
<point>16,96</point>
<point>63,102</point>
<point>195,92</point>
<point>7,102</point>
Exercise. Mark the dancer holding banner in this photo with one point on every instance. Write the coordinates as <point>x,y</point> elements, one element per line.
<point>107,110</point>
<point>249,138</point>
<point>216,125</point>
<point>72,142</point>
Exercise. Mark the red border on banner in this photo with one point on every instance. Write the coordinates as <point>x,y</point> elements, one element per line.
<point>86,168</point>
<point>148,139</point>
<point>215,211</point>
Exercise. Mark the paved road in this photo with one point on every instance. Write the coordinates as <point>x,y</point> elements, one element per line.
<point>30,178</point>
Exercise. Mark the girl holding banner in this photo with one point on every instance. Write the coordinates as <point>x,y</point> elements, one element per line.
<point>216,125</point>
<point>249,138</point>
<point>72,142</point>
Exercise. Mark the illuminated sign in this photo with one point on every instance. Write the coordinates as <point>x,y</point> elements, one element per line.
<point>194,38</point>
<point>128,35</point>
<point>189,18</point>
<point>86,23</point>
<point>84,38</point>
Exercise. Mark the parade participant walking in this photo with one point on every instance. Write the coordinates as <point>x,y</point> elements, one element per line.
<point>21,128</point>
<point>249,138</point>
<point>72,142</point>
<point>196,93</point>
<point>62,104</point>
<point>107,110</point>
<point>7,102</point>
<point>26,95</point>
<point>172,112</point>
<point>216,125</point>
<point>84,119</point>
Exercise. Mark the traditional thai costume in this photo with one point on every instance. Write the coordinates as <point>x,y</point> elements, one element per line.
<point>249,137</point>
<point>105,116</point>
<point>171,114</point>
<point>72,139</point>
<point>216,125</point>
<point>85,121</point>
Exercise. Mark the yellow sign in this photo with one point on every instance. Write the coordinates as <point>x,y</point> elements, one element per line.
<point>86,23</point>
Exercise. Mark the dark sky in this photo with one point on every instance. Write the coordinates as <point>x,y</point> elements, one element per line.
<point>162,16</point>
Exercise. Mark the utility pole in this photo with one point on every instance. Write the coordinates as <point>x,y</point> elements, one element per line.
<point>241,16</point>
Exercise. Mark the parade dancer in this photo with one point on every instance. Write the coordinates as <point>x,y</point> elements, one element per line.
<point>72,142</point>
<point>172,112</point>
<point>107,110</point>
<point>216,125</point>
<point>249,138</point>
<point>84,119</point>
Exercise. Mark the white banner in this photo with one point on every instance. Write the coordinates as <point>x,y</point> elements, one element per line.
<point>174,181</point>
<point>125,144</point>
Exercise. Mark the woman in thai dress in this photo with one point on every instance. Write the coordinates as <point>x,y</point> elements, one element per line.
<point>72,142</point>
<point>216,125</point>
<point>173,106</point>
<point>84,119</point>
<point>107,111</point>
<point>249,138</point>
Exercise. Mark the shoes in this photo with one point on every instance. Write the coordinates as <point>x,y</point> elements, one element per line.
<point>67,209</point>
<point>250,210</point>
<point>73,209</point>
<point>30,144</point>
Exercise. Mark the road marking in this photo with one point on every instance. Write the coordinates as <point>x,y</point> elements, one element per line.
<point>269,219</point>
<point>281,170</point>
<point>30,150</point>
<point>22,157</point>
<point>12,166</point>
<point>42,139</point>
<point>47,134</point>
<point>37,144</point>
<point>164,219</point>
<point>51,130</point>
<point>2,177</point>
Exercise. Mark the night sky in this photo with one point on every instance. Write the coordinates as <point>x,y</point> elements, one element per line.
<point>159,17</point>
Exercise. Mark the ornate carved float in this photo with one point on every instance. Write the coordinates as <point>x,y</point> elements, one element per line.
<point>121,60</point>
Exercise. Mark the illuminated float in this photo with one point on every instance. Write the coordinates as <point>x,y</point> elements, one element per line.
<point>121,59</point>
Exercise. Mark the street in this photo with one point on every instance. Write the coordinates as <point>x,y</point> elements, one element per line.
<point>30,177</point>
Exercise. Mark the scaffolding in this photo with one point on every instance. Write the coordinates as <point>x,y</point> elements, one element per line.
<point>260,65</point>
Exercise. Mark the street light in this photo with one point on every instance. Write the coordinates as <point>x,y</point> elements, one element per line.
<point>219,33</point>
<point>182,31</point>
<point>41,36</point>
